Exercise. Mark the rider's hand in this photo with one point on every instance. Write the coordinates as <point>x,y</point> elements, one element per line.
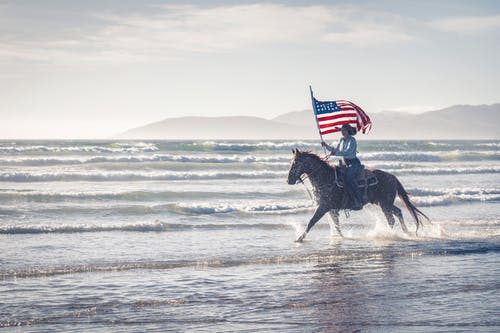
<point>323,143</point>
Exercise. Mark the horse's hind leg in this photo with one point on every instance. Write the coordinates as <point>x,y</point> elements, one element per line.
<point>388,215</point>
<point>334,214</point>
<point>399,215</point>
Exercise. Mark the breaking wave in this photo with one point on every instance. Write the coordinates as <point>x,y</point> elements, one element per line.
<point>283,159</point>
<point>156,226</point>
<point>50,196</point>
<point>43,161</point>
<point>129,175</point>
<point>133,176</point>
<point>110,148</point>
<point>436,156</point>
<point>445,170</point>
<point>189,209</point>
<point>453,191</point>
<point>263,145</point>
<point>489,144</point>
<point>256,208</point>
<point>437,197</point>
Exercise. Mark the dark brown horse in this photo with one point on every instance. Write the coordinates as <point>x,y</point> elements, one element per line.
<point>330,196</point>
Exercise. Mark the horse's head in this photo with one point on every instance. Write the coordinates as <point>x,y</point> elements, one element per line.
<point>297,167</point>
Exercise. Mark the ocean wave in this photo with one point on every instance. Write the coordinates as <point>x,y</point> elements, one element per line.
<point>445,170</point>
<point>262,145</point>
<point>281,158</point>
<point>438,144</point>
<point>54,148</point>
<point>140,175</point>
<point>450,199</point>
<point>451,196</point>
<point>488,144</point>
<point>240,208</point>
<point>447,150</point>
<point>133,176</point>
<point>70,228</point>
<point>156,226</point>
<point>237,204</point>
<point>435,156</point>
<point>45,161</point>
<point>52,196</point>
<point>255,208</point>
<point>453,191</point>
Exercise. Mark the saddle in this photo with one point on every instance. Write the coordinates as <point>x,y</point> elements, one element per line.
<point>366,177</point>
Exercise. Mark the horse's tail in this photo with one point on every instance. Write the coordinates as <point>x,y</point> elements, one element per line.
<point>414,211</point>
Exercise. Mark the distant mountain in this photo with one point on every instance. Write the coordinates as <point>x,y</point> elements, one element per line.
<point>238,127</point>
<point>456,122</point>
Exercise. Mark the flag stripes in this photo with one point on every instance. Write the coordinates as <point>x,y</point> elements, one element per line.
<point>331,115</point>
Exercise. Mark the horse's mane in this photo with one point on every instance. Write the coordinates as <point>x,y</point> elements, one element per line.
<point>317,158</point>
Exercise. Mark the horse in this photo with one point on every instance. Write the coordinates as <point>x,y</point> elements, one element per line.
<point>330,197</point>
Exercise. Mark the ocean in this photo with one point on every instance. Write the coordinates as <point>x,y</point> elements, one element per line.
<point>198,236</point>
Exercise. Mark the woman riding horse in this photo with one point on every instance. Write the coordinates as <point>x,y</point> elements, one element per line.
<point>347,149</point>
<point>329,195</point>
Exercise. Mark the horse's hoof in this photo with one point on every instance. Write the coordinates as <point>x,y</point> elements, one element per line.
<point>301,238</point>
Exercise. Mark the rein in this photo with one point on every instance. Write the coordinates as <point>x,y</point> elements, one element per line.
<point>307,189</point>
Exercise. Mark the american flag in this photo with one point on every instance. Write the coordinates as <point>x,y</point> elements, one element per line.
<point>332,115</point>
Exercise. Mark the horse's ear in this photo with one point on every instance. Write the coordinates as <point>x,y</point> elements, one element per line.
<point>293,151</point>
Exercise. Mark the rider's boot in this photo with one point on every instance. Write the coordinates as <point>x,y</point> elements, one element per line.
<point>357,203</point>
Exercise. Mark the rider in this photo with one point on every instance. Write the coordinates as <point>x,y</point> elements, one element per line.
<point>347,149</point>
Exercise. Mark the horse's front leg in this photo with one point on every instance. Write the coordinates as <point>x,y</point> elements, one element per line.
<point>318,214</point>
<point>334,214</point>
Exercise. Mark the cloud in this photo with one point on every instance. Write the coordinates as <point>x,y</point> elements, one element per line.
<point>174,30</point>
<point>232,27</point>
<point>468,24</point>
<point>364,36</point>
<point>216,29</point>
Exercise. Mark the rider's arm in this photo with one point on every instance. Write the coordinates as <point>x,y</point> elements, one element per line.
<point>327,146</point>
<point>330,148</point>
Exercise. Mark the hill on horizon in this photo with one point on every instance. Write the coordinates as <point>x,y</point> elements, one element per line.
<point>466,122</point>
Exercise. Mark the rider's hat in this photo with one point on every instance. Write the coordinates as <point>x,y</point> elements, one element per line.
<point>351,130</point>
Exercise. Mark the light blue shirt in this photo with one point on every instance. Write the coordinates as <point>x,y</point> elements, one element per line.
<point>346,148</point>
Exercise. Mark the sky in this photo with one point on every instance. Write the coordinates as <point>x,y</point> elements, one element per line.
<point>95,68</point>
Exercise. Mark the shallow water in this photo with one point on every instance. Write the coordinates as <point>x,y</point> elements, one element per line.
<point>198,236</point>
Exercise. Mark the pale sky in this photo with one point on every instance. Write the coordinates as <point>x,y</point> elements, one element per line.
<point>94,68</point>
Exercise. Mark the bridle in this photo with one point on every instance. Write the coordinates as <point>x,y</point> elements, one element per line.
<point>325,159</point>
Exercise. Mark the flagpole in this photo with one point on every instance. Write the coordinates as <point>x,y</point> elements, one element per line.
<point>315,117</point>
